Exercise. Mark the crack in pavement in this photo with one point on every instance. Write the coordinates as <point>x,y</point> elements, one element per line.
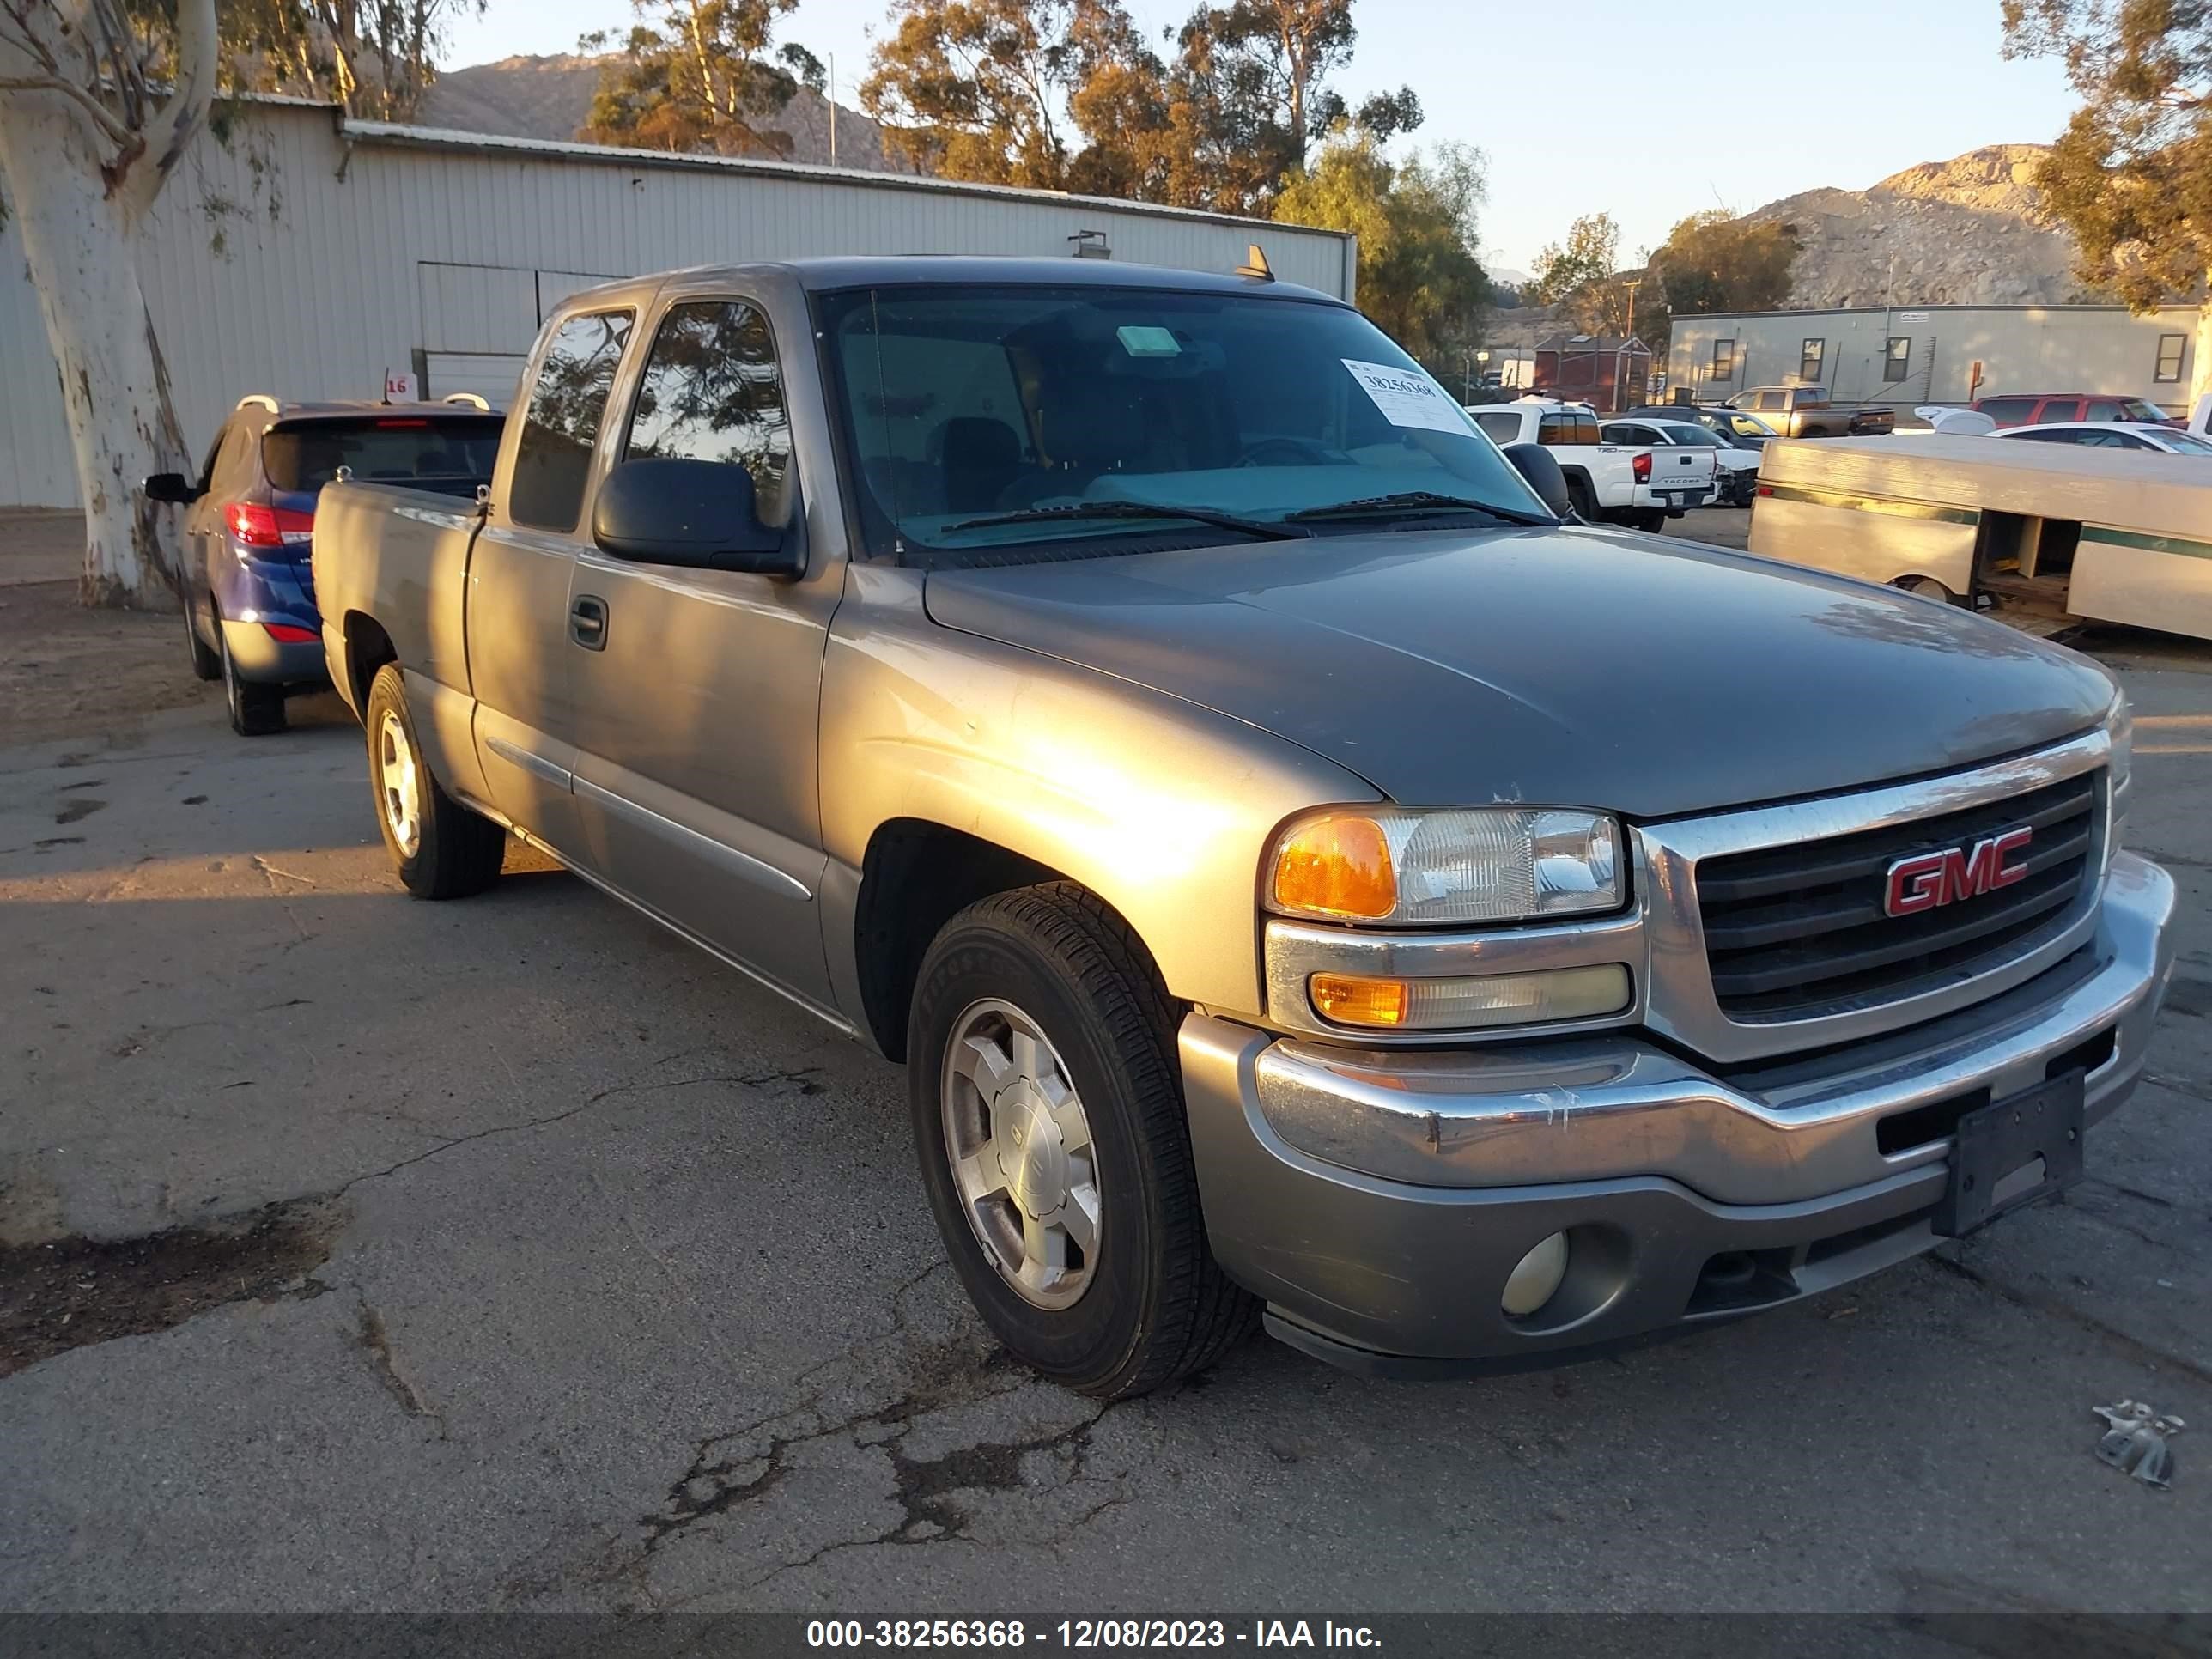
<point>376,1341</point>
<point>640,1086</point>
<point>732,1470</point>
<point>2140,1352</point>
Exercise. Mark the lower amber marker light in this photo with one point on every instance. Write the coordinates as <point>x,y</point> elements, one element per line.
<point>1470,1002</point>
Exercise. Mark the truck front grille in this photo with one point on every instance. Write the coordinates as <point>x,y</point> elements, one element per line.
<point>1798,931</point>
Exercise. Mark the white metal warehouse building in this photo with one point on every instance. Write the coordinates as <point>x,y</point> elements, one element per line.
<point>1907,354</point>
<point>406,249</point>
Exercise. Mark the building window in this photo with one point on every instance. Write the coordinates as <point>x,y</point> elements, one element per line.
<point>1809,360</point>
<point>2169,356</point>
<point>1723,360</point>
<point>1897,358</point>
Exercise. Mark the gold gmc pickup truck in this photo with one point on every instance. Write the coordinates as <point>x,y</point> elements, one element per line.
<point>1307,876</point>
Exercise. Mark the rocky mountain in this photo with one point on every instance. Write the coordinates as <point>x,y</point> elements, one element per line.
<point>550,97</point>
<point>1960,232</point>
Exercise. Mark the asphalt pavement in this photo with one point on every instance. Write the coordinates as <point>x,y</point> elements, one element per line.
<point>509,1254</point>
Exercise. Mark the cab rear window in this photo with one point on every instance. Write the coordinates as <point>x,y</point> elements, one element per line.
<point>304,456</point>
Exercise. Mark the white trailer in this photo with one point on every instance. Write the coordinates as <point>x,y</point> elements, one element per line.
<point>2107,535</point>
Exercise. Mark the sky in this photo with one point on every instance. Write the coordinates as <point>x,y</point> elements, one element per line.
<point>1649,111</point>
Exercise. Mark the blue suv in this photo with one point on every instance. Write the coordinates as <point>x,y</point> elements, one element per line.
<point>247,587</point>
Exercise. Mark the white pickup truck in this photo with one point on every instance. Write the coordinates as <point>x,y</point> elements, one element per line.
<point>1641,485</point>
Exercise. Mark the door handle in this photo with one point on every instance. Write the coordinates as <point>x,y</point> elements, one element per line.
<point>587,623</point>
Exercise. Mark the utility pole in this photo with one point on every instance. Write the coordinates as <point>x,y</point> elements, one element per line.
<point>1621,351</point>
<point>833,109</point>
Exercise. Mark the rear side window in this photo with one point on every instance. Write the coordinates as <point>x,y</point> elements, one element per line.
<point>712,391</point>
<point>2006,410</point>
<point>400,448</point>
<point>560,428</point>
<point>1502,428</point>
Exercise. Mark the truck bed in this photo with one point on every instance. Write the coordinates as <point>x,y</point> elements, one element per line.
<point>401,556</point>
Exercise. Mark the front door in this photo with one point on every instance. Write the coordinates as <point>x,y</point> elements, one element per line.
<point>698,694</point>
<point>518,578</point>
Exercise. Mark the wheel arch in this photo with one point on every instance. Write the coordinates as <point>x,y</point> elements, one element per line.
<point>368,648</point>
<point>916,876</point>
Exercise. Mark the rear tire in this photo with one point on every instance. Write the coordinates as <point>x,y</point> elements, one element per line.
<point>1927,587</point>
<point>256,710</point>
<point>441,849</point>
<point>206,663</point>
<point>1041,1067</point>
<point>1650,520</point>
<point>1579,499</point>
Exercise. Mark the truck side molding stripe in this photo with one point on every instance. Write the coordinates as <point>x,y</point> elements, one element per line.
<point>536,765</point>
<point>2136,538</point>
<point>1790,492</point>
<point>743,865</point>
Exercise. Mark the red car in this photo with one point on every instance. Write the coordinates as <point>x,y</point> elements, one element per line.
<point>2041,408</point>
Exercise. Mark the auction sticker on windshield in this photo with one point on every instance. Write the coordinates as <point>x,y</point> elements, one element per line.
<point>1407,396</point>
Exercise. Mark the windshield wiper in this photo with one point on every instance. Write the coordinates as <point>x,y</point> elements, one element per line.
<point>1414,500</point>
<point>1134,510</point>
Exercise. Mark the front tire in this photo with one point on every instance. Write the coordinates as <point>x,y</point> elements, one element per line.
<point>1048,1120</point>
<point>441,849</point>
<point>256,710</point>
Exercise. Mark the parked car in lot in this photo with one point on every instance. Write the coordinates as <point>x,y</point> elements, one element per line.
<point>2096,435</point>
<point>1804,412</point>
<point>1303,878</point>
<point>1735,469</point>
<point>1641,485</point>
<point>246,584</point>
<point>1744,431</point>
<point>2045,408</point>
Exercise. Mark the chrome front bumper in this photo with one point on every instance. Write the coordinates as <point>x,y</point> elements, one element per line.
<point>1377,1199</point>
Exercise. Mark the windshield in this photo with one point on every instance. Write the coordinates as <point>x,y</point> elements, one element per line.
<point>2135,409</point>
<point>2184,443</point>
<point>963,405</point>
<point>304,456</point>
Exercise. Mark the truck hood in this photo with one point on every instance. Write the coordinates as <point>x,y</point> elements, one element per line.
<point>1574,667</point>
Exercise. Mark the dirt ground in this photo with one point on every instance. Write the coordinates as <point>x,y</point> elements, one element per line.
<point>66,670</point>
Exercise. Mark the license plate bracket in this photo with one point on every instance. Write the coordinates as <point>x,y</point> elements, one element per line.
<point>2004,1137</point>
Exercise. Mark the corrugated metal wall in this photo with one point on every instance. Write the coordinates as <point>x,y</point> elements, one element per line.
<point>2021,348</point>
<point>392,251</point>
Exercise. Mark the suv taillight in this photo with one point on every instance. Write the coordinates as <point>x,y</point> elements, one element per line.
<point>254,526</point>
<point>1642,467</point>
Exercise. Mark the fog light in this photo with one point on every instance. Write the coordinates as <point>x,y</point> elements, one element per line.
<point>1456,1004</point>
<point>1537,1279</point>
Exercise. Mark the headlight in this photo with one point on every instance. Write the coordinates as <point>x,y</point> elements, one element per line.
<point>2120,727</point>
<point>1486,864</point>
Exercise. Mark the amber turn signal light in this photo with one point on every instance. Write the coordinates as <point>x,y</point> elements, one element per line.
<point>1336,866</point>
<point>1349,999</point>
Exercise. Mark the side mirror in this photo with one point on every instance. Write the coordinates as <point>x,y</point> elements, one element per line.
<point>697,514</point>
<point>1538,468</point>
<point>172,488</point>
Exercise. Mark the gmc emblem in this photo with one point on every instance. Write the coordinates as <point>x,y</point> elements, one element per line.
<point>1928,880</point>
